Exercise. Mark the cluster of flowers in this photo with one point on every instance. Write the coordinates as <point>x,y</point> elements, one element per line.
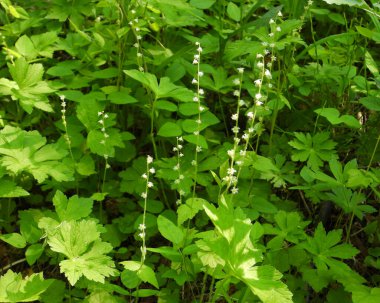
<point>179,153</point>
<point>64,122</point>
<point>150,170</point>
<point>136,30</point>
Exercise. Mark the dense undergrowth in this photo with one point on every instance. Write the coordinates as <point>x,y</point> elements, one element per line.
<point>189,151</point>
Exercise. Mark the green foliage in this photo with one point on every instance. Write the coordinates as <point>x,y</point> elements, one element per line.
<point>189,151</point>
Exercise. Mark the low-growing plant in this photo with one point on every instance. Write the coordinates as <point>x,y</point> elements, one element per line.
<point>189,151</point>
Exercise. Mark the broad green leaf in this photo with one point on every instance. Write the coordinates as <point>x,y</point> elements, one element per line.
<point>189,209</point>
<point>170,129</point>
<point>144,272</point>
<point>333,116</point>
<point>85,252</point>
<point>13,288</point>
<point>168,252</point>
<point>71,209</point>
<point>33,253</point>
<point>357,3</point>
<point>169,230</point>
<point>233,11</point>
<point>25,47</point>
<point>165,105</point>
<point>202,4</point>
<point>14,239</point>
<point>28,151</point>
<point>121,98</point>
<point>104,146</point>
<point>147,79</point>
<point>371,102</point>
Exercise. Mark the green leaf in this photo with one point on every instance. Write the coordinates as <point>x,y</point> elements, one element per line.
<point>169,230</point>
<point>202,4</point>
<point>14,239</point>
<point>73,209</point>
<point>13,288</point>
<point>28,151</point>
<point>189,209</point>
<point>165,105</point>
<point>25,47</point>
<point>9,189</point>
<point>147,79</point>
<point>86,254</point>
<point>103,146</point>
<point>371,102</point>
<point>144,272</point>
<point>170,129</point>
<point>233,11</point>
<point>357,3</point>
<point>333,116</point>
<point>313,149</point>
<point>33,253</point>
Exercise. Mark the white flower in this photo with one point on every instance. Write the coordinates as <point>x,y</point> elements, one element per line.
<point>271,35</point>
<point>181,177</point>
<point>194,81</point>
<point>200,49</point>
<point>258,96</point>
<point>278,29</point>
<point>180,139</point>
<point>195,99</point>
<point>194,163</point>
<point>272,45</point>
<point>196,56</point>
<point>177,181</point>
<point>100,113</point>
<point>237,140</point>
<point>231,153</point>
<point>139,55</point>
<point>279,14</point>
<point>250,115</point>
<point>241,102</point>
<point>236,81</point>
<point>201,91</point>
<point>245,137</point>
<point>181,192</point>
<point>259,103</point>
<point>149,159</point>
<point>176,167</point>
<point>264,44</point>
<point>150,184</point>
<point>242,153</point>
<point>235,117</point>
<point>142,227</point>
<point>258,82</point>
<point>196,133</point>
<point>240,70</point>
<point>152,170</point>
<point>101,121</point>
<point>197,43</point>
<point>144,176</point>
<point>251,130</point>
<point>271,21</point>
<point>195,61</point>
<point>231,171</point>
<point>258,56</point>
<point>234,190</point>
<point>144,195</point>
<point>236,93</point>
<point>260,64</point>
<point>235,129</point>
<point>198,121</point>
<point>138,37</point>
<point>105,116</point>
<point>199,149</point>
<point>200,74</point>
<point>268,74</point>
<point>201,108</point>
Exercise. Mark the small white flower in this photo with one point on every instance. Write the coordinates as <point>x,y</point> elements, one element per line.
<point>239,163</point>
<point>180,139</point>
<point>200,74</point>
<point>240,70</point>
<point>195,61</point>
<point>197,43</point>
<point>152,170</point>
<point>201,91</point>
<point>236,81</point>
<point>179,146</point>
<point>176,167</point>
<point>251,130</point>
<point>149,159</point>
<point>137,29</point>
<point>144,176</point>
<point>198,121</point>
<point>258,56</point>
<point>105,116</point>
<point>260,64</point>
<point>100,113</point>
<point>201,108</point>
<point>236,93</point>
<point>178,202</point>
<point>236,140</point>
<point>200,49</point>
<point>235,129</point>
<point>231,171</point>
<point>271,21</point>
<point>139,55</point>
<point>136,45</point>
<point>234,190</point>
<point>142,227</point>
<point>271,35</point>
<point>231,153</point>
<point>264,44</point>
<point>196,56</point>
<point>242,153</point>
<point>258,82</point>
<point>278,29</point>
<point>235,117</point>
<point>194,163</point>
<point>259,103</point>
<point>199,149</point>
<point>101,121</point>
<point>196,133</point>
<point>279,14</point>
<point>181,177</point>
<point>138,37</point>
<point>245,137</point>
<point>195,99</point>
<point>250,115</point>
<point>177,181</point>
<point>181,192</point>
<point>258,96</point>
<point>268,74</point>
<point>241,102</point>
<point>272,45</point>
<point>144,195</point>
<point>194,81</point>
<point>150,184</point>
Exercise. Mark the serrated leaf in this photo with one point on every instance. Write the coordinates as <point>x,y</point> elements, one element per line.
<point>189,209</point>
<point>86,253</point>
<point>71,209</point>
<point>9,189</point>
<point>13,288</point>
